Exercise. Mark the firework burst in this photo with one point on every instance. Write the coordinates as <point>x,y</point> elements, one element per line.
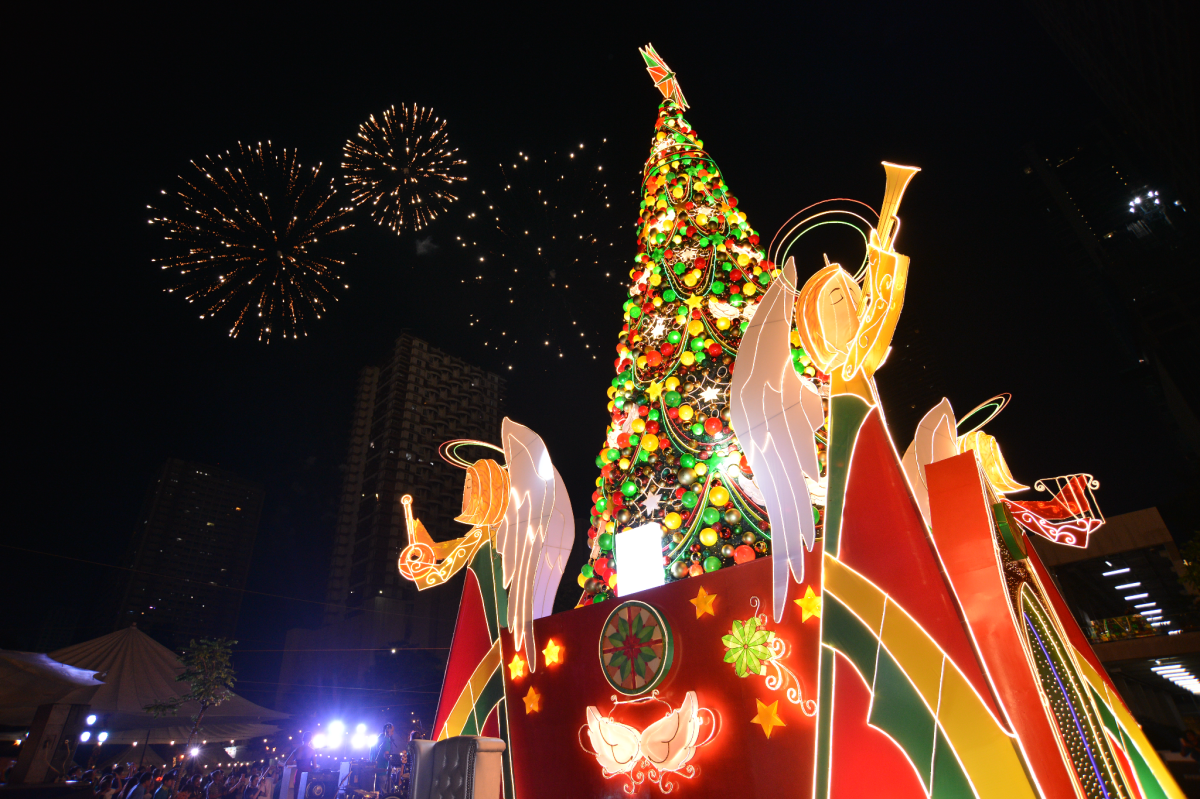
<point>249,225</point>
<point>403,166</point>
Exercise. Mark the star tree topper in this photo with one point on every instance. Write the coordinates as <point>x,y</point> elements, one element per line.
<point>664,78</point>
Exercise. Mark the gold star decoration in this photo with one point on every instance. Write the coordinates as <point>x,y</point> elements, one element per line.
<point>767,718</point>
<point>704,603</point>
<point>516,669</point>
<point>533,702</point>
<point>694,301</point>
<point>810,604</point>
<point>654,390</point>
<point>553,653</point>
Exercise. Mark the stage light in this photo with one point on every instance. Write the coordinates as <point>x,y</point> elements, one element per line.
<point>102,737</point>
<point>85,736</point>
<point>318,741</point>
<point>91,719</point>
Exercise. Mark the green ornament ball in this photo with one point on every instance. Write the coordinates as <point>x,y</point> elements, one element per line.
<point>599,598</point>
<point>674,336</point>
<point>612,454</point>
<point>717,287</point>
<point>697,429</point>
<point>602,504</point>
<point>712,563</point>
<point>672,399</point>
<point>711,515</point>
<point>689,500</point>
<point>670,296</point>
<point>629,488</point>
<point>687,461</point>
<point>587,570</point>
<point>605,540</point>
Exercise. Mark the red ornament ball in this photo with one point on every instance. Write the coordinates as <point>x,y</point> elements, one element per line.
<point>743,554</point>
<point>712,425</point>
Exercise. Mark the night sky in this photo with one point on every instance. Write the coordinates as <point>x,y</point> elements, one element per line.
<point>110,376</point>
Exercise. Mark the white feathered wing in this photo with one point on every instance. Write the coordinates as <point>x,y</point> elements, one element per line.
<point>936,438</point>
<point>774,413</point>
<point>536,534</point>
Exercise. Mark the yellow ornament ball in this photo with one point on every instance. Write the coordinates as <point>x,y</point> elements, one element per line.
<point>743,259</point>
<point>655,280</point>
<point>612,581</point>
<point>650,442</point>
<point>708,536</point>
<point>722,323</point>
<point>688,358</point>
<point>700,469</point>
<point>686,412</point>
<point>671,383</point>
<point>749,290</point>
<point>672,521</point>
<point>579,578</point>
<point>639,425</point>
<point>641,361</point>
<point>695,327</point>
<point>610,527</point>
<point>690,280</point>
<point>718,496</point>
<point>624,464</point>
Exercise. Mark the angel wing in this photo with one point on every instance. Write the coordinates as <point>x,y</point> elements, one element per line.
<point>536,534</point>
<point>934,440</point>
<point>664,78</point>
<point>774,414</point>
<point>670,742</point>
<point>618,746</point>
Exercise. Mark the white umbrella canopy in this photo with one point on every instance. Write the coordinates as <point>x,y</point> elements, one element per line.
<point>29,679</point>
<point>140,671</point>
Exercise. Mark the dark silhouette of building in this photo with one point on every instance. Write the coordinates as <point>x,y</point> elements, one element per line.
<point>404,409</point>
<point>190,556</point>
<point>1129,245</point>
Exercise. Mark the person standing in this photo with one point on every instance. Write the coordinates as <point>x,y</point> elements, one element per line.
<point>167,789</point>
<point>139,789</point>
<point>302,756</point>
<point>384,747</point>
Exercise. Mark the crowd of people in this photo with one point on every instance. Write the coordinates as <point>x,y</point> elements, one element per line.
<point>121,782</point>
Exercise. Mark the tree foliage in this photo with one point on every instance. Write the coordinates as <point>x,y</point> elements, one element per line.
<point>209,675</point>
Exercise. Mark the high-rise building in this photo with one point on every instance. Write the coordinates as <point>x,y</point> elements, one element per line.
<point>1141,620</point>
<point>190,556</point>
<point>403,410</point>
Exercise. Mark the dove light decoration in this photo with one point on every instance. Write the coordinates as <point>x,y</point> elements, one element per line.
<point>655,753</point>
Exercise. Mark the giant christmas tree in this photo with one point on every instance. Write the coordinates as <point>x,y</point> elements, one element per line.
<point>669,456</point>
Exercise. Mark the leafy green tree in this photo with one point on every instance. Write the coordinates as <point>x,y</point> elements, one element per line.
<point>209,675</point>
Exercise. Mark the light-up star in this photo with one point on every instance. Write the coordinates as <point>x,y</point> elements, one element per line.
<point>533,702</point>
<point>654,390</point>
<point>651,502</point>
<point>516,669</point>
<point>767,718</point>
<point>709,394</point>
<point>810,604</point>
<point>704,604</point>
<point>694,301</point>
<point>660,327</point>
<point>553,653</point>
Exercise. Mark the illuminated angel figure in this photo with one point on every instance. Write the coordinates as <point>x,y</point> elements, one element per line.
<point>1068,517</point>
<point>403,166</point>
<point>523,509</point>
<point>775,413</point>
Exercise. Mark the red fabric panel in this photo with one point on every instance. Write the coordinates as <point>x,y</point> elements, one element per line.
<point>491,727</point>
<point>963,531</point>
<point>884,539</point>
<point>865,761</point>
<point>471,642</point>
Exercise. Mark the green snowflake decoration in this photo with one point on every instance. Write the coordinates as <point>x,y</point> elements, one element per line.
<point>748,648</point>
